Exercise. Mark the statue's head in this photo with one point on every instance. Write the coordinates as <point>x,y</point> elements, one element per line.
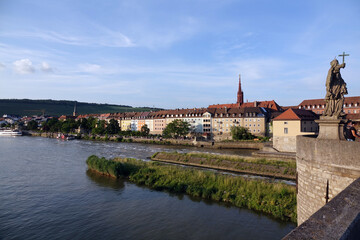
<point>334,62</point>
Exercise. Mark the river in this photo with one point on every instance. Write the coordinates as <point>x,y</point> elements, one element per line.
<point>46,192</point>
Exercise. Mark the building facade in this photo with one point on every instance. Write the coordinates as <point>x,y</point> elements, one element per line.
<point>291,123</point>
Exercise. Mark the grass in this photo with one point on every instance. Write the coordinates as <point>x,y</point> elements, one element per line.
<point>276,199</point>
<point>279,168</point>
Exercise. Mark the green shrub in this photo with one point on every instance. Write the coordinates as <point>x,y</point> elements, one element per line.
<point>272,198</point>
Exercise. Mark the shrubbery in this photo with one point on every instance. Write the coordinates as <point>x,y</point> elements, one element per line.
<point>273,198</point>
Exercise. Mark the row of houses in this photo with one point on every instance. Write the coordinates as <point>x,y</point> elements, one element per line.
<point>210,122</point>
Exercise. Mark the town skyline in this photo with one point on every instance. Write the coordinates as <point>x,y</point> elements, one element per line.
<point>175,55</point>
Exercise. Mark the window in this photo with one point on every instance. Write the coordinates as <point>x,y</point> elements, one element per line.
<point>285,130</point>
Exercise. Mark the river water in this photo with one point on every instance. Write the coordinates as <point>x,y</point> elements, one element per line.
<point>46,192</point>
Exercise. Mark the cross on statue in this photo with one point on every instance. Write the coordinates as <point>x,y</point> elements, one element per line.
<point>343,55</point>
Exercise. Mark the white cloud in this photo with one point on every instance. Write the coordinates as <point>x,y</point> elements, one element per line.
<point>23,66</point>
<point>105,37</point>
<point>45,67</point>
<point>90,68</point>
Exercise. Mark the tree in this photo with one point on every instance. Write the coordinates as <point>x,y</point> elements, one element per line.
<point>113,127</point>
<point>69,125</point>
<point>52,125</point>
<point>100,128</point>
<point>32,125</point>
<point>145,130</point>
<point>240,133</point>
<point>176,128</point>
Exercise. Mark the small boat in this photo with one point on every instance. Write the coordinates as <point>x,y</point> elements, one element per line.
<point>9,132</point>
<point>65,137</point>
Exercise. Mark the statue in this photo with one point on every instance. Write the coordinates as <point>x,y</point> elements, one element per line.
<point>335,90</point>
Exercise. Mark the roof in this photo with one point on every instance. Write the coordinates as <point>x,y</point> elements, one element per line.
<point>265,104</point>
<point>227,105</point>
<point>348,100</point>
<point>297,114</point>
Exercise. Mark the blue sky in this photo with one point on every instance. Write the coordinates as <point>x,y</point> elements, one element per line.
<point>175,54</point>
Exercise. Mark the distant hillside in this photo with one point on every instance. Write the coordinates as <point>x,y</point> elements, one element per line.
<point>27,107</point>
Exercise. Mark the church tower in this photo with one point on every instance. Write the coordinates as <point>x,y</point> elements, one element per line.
<point>74,113</point>
<point>240,94</point>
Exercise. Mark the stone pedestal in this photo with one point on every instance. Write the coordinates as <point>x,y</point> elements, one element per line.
<point>331,128</point>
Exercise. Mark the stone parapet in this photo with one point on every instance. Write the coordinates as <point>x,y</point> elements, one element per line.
<point>325,167</point>
<point>339,219</point>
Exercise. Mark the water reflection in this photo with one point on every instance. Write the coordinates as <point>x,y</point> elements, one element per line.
<point>105,181</point>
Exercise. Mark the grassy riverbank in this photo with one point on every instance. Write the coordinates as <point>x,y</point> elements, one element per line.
<point>276,199</point>
<point>258,166</point>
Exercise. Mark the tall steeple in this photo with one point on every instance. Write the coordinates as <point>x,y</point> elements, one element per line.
<point>74,113</point>
<point>240,94</point>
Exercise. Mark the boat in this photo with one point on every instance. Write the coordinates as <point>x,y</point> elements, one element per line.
<point>65,136</point>
<point>9,132</point>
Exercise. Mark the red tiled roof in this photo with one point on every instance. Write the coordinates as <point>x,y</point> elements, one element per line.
<point>265,104</point>
<point>348,100</point>
<point>228,105</point>
<point>296,114</point>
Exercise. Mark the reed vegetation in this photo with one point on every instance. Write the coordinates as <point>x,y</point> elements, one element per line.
<point>276,199</point>
<point>260,166</point>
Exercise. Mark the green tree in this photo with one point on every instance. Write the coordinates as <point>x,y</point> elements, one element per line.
<point>145,130</point>
<point>240,133</point>
<point>113,127</point>
<point>69,125</point>
<point>176,128</point>
<point>32,125</point>
<point>52,125</point>
<point>100,128</point>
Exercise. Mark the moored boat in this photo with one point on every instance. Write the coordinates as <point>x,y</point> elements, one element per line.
<point>9,132</point>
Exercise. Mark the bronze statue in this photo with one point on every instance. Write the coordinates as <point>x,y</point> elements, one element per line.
<point>335,90</point>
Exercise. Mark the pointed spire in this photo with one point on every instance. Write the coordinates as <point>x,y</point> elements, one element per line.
<point>74,113</point>
<point>240,94</point>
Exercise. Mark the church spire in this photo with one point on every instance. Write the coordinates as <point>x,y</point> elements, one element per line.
<point>240,94</point>
<point>74,113</point>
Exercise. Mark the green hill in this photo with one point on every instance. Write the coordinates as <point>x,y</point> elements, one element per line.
<point>27,107</point>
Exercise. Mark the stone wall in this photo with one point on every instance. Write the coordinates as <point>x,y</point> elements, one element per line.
<point>284,143</point>
<point>339,219</point>
<point>322,162</point>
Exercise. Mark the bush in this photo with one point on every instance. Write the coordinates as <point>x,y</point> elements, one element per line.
<point>273,198</point>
